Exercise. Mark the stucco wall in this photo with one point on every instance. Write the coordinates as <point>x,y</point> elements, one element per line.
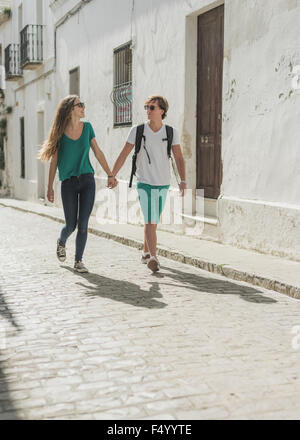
<point>261,110</point>
<point>260,207</point>
<point>33,93</point>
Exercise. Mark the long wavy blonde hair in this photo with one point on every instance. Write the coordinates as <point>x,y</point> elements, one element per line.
<point>59,124</point>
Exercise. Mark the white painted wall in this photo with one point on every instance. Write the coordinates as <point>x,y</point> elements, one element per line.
<point>33,93</point>
<point>260,193</point>
<point>261,110</point>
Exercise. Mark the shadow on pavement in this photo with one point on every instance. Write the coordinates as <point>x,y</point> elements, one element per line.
<point>7,410</point>
<point>6,313</point>
<point>122,291</point>
<point>217,286</point>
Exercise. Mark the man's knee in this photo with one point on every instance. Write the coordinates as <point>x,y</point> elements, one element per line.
<point>150,226</point>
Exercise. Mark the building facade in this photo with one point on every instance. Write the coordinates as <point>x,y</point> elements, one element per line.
<point>229,70</point>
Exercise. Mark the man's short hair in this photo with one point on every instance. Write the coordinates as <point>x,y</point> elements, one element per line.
<point>162,103</point>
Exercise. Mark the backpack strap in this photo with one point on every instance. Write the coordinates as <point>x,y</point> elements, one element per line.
<point>170,138</point>
<point>170,134</point>
<point>138,142</point>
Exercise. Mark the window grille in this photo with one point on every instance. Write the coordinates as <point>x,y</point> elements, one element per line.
<point>121,95</point>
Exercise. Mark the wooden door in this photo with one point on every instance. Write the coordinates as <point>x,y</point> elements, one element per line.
<point>209,101</point>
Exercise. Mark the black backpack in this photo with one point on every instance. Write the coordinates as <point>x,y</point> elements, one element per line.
<point>138,141</point>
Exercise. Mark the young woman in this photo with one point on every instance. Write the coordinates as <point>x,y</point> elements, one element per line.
<point>153,171</point>
<point>67,147</point>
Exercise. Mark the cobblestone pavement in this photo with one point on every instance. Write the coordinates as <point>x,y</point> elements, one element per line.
<point>122,343</point>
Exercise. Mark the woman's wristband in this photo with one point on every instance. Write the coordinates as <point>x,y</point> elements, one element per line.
<point>110,176</point>
<point>182,181</point>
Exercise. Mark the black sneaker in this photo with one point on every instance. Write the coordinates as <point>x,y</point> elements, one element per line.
<point>61,251</point>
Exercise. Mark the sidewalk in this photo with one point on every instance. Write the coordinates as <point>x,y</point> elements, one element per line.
<point>266,271</point>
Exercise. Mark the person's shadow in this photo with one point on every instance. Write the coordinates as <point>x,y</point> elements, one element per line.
<point>7,403</point>
<point>6,312</point>
<point>216,286</point>
<point>123,291</point>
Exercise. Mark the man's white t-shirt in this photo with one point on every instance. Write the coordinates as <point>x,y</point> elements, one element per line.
<point>158,171</point>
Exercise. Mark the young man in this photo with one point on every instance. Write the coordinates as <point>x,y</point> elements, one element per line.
<point>153,171</point>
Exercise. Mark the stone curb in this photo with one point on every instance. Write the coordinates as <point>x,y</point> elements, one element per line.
<point>225,270</point>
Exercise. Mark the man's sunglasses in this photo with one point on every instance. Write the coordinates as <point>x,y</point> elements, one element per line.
<point>80,104</point>
<point>150,107</point>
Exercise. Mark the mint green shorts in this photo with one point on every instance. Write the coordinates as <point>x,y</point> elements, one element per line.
<point>152,200</point>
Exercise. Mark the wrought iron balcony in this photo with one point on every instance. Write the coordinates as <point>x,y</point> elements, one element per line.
<point>13,70</point>
<point>31,46</point>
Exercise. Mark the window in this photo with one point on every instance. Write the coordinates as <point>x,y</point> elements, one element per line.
<point>122,91</point>
<point>74,82</point>
<point>22,148</point>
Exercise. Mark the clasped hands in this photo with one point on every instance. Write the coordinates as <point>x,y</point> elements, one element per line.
<point>111,182</point>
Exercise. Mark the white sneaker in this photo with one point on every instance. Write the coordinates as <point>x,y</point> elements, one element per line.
<point>153,264</point>
<point>80,267</point>
<point>145,257</point>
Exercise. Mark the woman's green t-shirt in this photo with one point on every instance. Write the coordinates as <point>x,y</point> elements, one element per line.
<point>73,156</point>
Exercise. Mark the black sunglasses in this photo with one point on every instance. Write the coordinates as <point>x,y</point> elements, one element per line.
<point>150,107</point>
<point>80,104</point>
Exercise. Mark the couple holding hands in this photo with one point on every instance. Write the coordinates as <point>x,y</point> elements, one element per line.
<point>68,146</point>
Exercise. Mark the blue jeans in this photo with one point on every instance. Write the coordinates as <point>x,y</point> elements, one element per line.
<point>78,196</point>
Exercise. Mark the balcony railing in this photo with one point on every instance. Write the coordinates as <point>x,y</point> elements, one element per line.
<point>12,62</point>
<point>31,46</point>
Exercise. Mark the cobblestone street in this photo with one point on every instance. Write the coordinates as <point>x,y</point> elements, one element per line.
<point>121,342</point>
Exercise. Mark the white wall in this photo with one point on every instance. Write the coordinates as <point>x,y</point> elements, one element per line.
<point>260,192</point>
<point>33,93</point>
<point>261,110</point>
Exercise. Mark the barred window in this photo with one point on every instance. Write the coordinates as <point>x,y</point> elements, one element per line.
<point>122,91</point>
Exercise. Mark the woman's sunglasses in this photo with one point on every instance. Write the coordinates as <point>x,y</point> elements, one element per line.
<point>150,107</point>
<point>80,104</point>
